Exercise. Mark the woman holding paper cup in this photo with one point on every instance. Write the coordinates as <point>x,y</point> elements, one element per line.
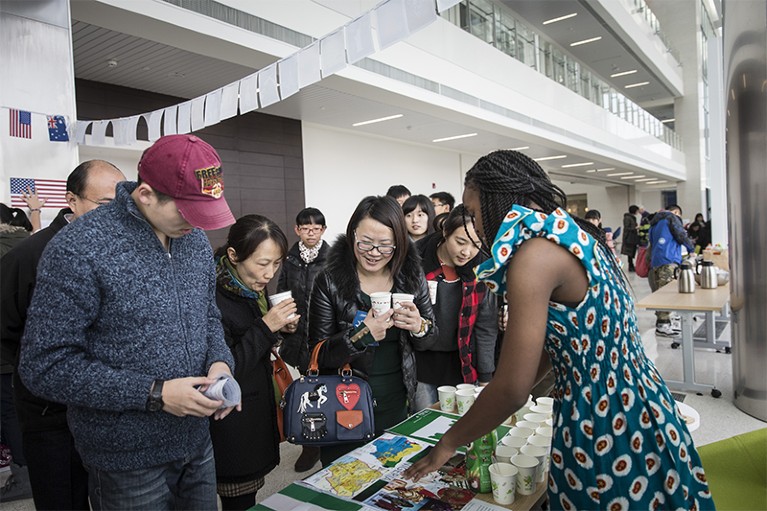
<point>464,350</point>
<point>617,440</point>
<point>351,307</point>
<point>246,445</point>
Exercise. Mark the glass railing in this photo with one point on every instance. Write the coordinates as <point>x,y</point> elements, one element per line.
<point>497,26</point>
<point>640,7</point>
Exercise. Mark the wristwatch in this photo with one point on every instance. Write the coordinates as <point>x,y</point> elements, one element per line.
<point>154,403</point>
<point>425,324</point>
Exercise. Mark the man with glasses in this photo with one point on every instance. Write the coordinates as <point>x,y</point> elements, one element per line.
<point>56,473</point>
<point>302,264</point>
<point>443,202</point>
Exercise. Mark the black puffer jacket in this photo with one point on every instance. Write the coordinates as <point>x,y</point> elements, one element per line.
<point>336,298</point>
<point>297,276</point>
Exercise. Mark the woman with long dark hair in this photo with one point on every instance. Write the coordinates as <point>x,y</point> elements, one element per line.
<point>619,441</point>
<point>247,444</point>
<point>419,216</point>
<point>374,255</point>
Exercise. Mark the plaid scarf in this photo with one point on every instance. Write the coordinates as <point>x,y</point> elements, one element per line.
<point>473,294</point>
<point>228,278</point>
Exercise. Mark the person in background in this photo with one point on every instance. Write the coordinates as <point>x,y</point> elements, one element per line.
<point>419,216</point>
<point>630,238</point>
<point>124,329</point>
<point>618,440</point>
<point>465,312</point>
<point>56,473</point>
<point>667,237</point>
<point>247,444</point>
<point>443,202</point>
<point>694,231</point>
<point>15,225</point>
<point>594,217</point>
<point>304,261</point>
<point>400,193</point>
<point>374,255</point>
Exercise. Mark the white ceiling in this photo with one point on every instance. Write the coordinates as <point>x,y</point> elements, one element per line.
<point>109,56</point>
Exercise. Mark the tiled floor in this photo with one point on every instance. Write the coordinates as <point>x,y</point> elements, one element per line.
<point>719,417</point>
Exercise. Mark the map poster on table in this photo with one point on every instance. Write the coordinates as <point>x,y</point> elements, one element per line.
<point>429,425</point>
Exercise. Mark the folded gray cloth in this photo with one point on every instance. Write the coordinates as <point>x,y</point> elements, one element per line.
<point>225,389</point>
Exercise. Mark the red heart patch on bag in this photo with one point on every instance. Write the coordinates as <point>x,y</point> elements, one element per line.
<point>348,395</point>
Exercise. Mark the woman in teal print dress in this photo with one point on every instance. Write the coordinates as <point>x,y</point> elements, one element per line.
<point>618,441</point>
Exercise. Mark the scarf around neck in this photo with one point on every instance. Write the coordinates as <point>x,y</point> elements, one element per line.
<point>309,254</point>
<point>228,278</point>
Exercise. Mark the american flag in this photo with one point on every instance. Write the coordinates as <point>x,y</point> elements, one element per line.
<point>52,190</point>
<point>21,123</point>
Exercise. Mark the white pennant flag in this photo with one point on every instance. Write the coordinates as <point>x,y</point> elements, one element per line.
<point>153,122</point>
<point>288,70</point>
<point>213,107</point>
<point>419,14</point>
<point>120,131</point>
<point>309,65</point>
<point>184,117</point>
<point>333,53</point>
<point>391,23</point>
<point>359,38</point>
<point>98,132</point>
<point>169,120</point>
<point>267,86</point>
<point>229,100</point>
<point>80,128</point>
<point>198,113</point>
<point>248,96</point>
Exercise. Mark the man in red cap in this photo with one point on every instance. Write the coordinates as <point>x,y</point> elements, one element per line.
<point>123,328</point>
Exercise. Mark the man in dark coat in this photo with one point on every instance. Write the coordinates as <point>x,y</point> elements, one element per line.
<point>630,235</point>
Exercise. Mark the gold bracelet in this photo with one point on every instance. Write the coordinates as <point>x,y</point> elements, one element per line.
<point>359,335</point>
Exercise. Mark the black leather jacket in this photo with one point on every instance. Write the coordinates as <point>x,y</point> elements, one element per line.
<point>336,298</point>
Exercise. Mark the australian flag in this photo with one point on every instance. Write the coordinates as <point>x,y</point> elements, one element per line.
<point>57,128</point>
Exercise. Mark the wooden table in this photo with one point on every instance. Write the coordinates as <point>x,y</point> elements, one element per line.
<point>668,298</point>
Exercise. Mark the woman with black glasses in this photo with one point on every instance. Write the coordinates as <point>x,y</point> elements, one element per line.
<point>374,255</point>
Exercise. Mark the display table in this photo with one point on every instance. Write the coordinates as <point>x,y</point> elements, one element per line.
<point>668,298</point>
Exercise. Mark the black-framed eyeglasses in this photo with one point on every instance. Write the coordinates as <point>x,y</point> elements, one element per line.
<point>98,203</point>
<point>366,246</point>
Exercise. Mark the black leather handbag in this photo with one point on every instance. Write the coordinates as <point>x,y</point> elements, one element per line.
<point>327,409</point>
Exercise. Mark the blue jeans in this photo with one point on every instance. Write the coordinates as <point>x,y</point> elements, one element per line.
<point>189,483</point>
<point>425,395</point>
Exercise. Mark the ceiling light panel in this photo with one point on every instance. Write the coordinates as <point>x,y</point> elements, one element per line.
<point>623,73</point>
<point>520,148</point>
<point>620,174</point>
<point>547,158</point>
<point>664,121</point>
<point>561,18</point>
<point>633,177</point>
<point>456,137</point>
<point>381,119</point>
<point>572,165</point>
<point>586,41</point>
<point>638,84</point>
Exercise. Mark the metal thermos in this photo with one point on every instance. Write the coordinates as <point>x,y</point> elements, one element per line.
<point>708,277</point>
<point>685,274</point>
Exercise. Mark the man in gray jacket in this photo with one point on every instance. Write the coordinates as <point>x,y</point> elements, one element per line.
<point>124,330</point>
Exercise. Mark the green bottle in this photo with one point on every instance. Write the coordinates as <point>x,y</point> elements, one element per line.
<point>479,457</point>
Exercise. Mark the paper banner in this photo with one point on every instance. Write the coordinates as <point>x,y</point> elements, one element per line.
<point>124,130</point>
<point>198,113</point>
<point>80,128</point>
<point>390,23</point>
<point>229,100</point>
<point>267,86</point>
<point>288,70</point>
<point>153,123</point>
<point>443,5</point>
<point>98,132</point>
<point>309,65</point>
<point>169,120</point>
<point>213,107</point>
<point>248,96</point>
<point>359,38</point>
<point>419,14</point>
<point>184,117</point>
<point>332,53</point>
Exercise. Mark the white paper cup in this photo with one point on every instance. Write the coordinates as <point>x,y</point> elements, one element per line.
<point>463,400</point>
<point>545,410</point>
<point>281,297</point>
<point>540,441</point>
<point>545,401</point>
<point>503,478</point>
<point>399,298</point>
<point>380,302</point>
<point>527,471</point>
<point>536,417</point>
<point>477,390</point>
<point>549,422</point>
<point>503,453</point>
<point>465,386</point>
<point>446,398</point>
<point>544,431</point>
<point>510,421</point>
<point>521,432</point>
<point>540,454</point>
<point>528,425</point>
<point>432,291</point>
<point>514,441</point>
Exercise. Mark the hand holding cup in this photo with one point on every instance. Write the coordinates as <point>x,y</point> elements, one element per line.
<point>379,323</point>
<point>281,314</point>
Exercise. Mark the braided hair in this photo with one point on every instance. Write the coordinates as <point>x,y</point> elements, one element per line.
<point>504,178</point>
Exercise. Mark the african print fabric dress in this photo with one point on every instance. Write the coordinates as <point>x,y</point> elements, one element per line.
<point>618,441</point>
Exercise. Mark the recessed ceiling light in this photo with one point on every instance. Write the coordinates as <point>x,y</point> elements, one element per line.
<point>591,171</point>
<point>605,169</point>
<point>656,182</point>
<point>633,177</point>
<point>571,165</point>
<point>623,73</point>
<point>620,174</point>
<point>561,18</point>
<point>638,84</point>
<point>381,119</point>
<point>646,179</point>
<point>664,121</point>
<point>586,41</point>
<point>546,158</point>
<point>522,148</point>
<point>456,137</point>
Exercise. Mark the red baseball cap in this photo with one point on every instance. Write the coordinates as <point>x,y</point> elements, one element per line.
<point>188,169</point>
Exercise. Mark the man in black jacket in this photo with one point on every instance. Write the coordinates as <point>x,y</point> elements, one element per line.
<point>304,261</point>
<point>56,474</point>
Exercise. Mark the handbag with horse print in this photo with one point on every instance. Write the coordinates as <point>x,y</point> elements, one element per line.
<point>327,409</point>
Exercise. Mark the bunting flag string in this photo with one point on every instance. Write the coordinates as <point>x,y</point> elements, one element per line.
<point>280,80</point>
